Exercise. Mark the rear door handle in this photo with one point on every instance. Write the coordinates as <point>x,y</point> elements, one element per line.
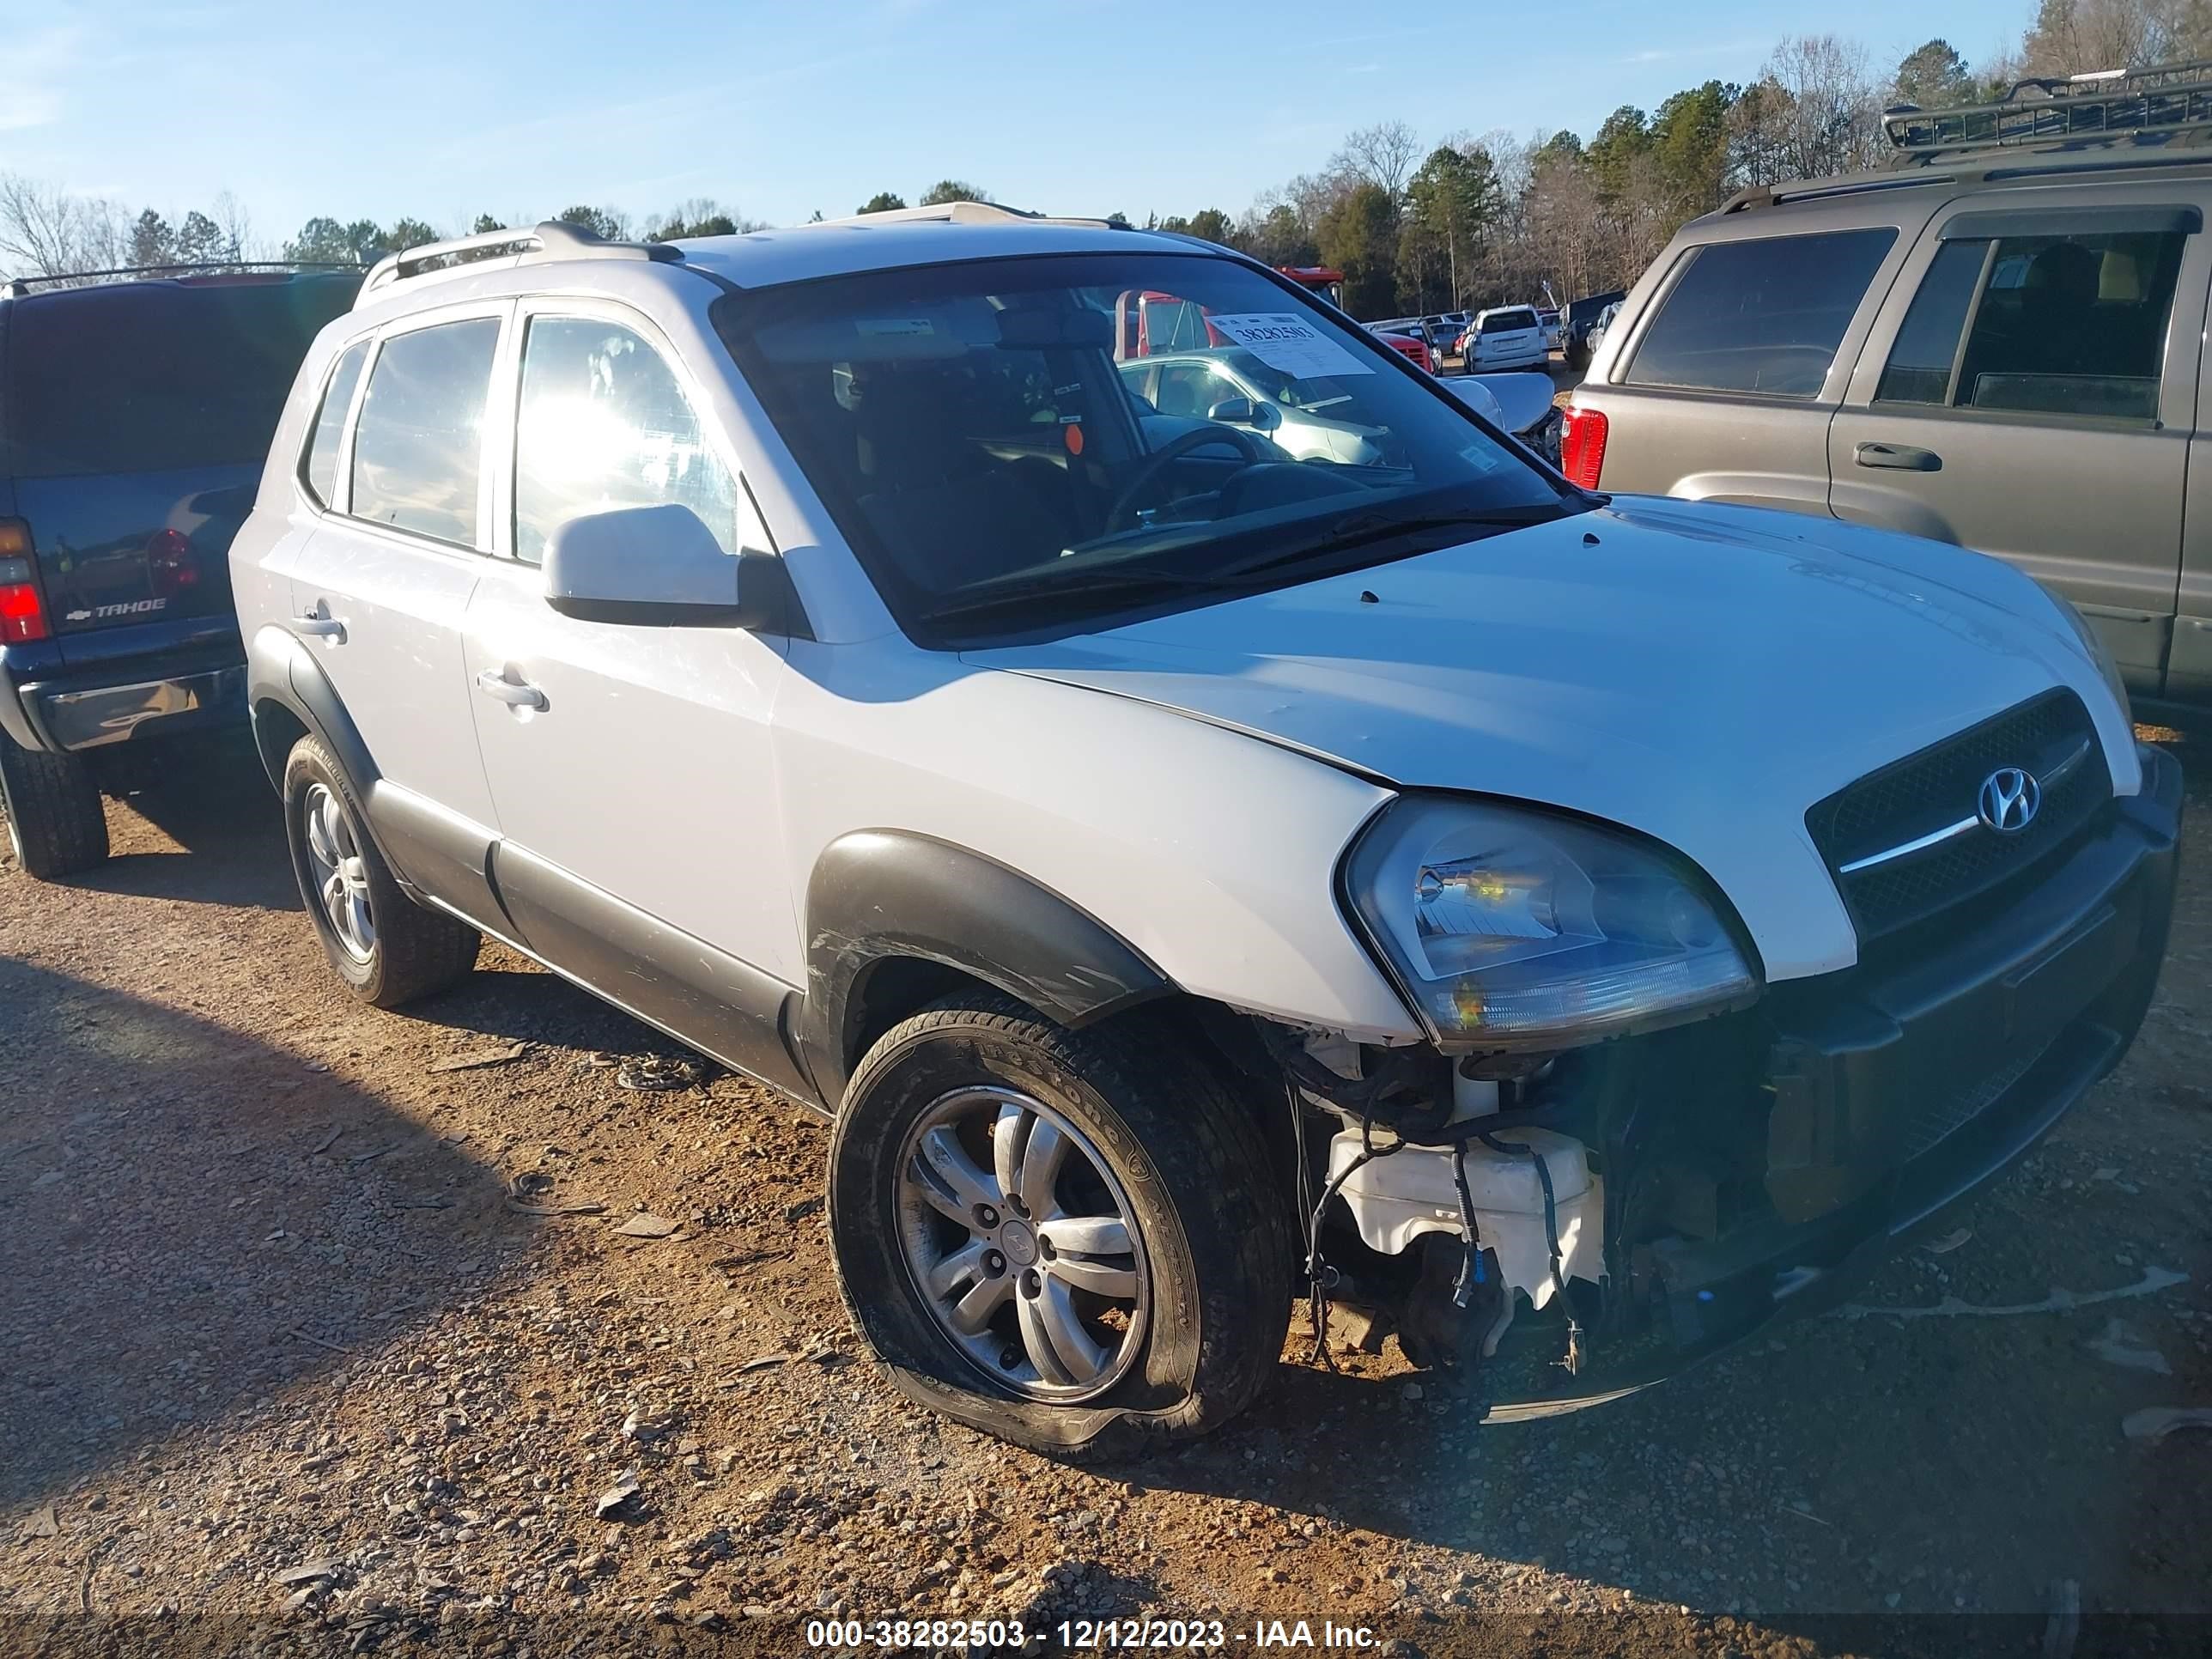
<point>1901,456</point>
<point>516,694</point>
<point>320,624</point>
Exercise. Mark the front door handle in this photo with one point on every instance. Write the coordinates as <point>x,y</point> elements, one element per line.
<point>515,694</point>
<point>1901,456</point>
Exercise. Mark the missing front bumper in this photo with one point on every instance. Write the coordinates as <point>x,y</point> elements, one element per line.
<point>1897,1088</point>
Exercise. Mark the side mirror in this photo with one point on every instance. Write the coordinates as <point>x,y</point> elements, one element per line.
<point>642,565</point>
<point>1246,412</point>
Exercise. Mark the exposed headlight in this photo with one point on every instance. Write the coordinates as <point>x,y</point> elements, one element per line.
<point>1519,929</point>
<point>2098,653</point>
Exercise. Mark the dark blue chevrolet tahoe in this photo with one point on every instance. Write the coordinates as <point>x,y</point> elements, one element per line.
<point>135,418</point>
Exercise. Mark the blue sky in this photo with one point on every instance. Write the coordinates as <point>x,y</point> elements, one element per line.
<point>444,111</point>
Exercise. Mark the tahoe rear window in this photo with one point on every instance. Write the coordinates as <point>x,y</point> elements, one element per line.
<point>1762,316</point>
<point>156,378</point>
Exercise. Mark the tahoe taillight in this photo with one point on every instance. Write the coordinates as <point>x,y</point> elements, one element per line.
<point>22,613</point>
<point>169,562</point>
<point>1582,446</point>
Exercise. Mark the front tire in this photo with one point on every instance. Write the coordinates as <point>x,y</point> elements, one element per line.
<point>1068,1239</point>
<point>56,823</point>
<point>386,948</point>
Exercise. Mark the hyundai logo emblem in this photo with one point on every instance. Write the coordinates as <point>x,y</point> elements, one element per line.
<point>2009,799</point>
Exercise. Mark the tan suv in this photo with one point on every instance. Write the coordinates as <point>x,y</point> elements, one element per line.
<point>1997,341</point>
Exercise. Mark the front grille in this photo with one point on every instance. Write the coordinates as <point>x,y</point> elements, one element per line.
<point>1940,786</point>
<point>1936,1120</point>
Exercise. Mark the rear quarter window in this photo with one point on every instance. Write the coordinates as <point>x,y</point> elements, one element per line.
<point>156,378</point>
<point>1763,316</point>
<point>320,472</point>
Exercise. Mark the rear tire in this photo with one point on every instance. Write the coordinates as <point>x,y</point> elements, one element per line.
<point>56,823</point>
<point>1176,1332</point>
<point>386,948</point>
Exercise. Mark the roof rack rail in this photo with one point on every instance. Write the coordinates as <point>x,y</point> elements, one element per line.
<point>970,212</point>
<point>2152,106</point>
<point>552,238</point>
<point>14,287</point>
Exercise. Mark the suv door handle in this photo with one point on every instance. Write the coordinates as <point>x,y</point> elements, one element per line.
<point>516,694</point>
<point>1901,456</point>
<point>317,624</point>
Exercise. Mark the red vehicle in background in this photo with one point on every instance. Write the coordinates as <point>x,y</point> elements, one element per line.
<point>1323,280</point>
<point>1152,322</point>
<point>1410,346</point>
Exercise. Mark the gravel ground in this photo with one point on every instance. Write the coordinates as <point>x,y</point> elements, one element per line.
<point>323,1329</point>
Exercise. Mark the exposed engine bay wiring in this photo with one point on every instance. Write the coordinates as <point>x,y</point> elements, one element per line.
<point>1411,1123</point>
<point>1321,1277</point>
<point>1573,1360</point>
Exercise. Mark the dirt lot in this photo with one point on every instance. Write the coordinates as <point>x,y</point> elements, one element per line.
<point>292,1360</point>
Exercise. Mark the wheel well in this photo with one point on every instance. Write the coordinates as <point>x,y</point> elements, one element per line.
<point>891,989</point>
<point>897,987</point>
<point>275,729</point>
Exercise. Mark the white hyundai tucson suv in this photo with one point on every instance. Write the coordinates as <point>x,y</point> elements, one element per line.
<point>1190,873</point>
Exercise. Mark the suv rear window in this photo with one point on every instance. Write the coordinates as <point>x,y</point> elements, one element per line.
<point>1762,316</point>
<point>1506,322</point>
<point>156,377</point>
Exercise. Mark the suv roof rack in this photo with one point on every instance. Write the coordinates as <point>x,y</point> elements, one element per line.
<point>969,213</point>
<point>16,288</point>
<point>2164,106</point>
<point>553,238</point>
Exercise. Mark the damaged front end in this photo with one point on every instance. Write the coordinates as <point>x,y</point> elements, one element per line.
<point>1576,1218</point>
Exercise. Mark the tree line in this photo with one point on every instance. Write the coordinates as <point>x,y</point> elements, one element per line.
<point>1472,220</point>
<point>1415,227</point>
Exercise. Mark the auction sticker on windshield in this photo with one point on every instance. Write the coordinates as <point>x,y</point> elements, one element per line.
<point>1285,340</point>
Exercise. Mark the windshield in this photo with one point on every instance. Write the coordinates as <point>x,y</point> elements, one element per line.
<point>993,437</point>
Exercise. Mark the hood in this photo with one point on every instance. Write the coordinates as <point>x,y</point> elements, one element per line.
<point>1525,398</point>
<point>1702,674</point>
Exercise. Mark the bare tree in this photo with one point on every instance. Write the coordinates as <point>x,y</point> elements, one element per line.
<point>1831,121</point>
<point>236,225</point>
<point>1384,155</point>
<point>2072,37</point>
<point>47,231</point>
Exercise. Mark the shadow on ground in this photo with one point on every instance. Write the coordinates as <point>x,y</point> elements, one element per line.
<point>209,797</point>
<point>190,1221</point>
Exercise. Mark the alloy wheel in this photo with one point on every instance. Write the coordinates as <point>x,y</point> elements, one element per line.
<point>1022,1244</point>
<point>341,877</point>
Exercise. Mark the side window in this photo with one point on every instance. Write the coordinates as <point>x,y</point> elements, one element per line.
<point>418,447</point>
<point>320,473</point>
<point>2060,326</point>
<point>1919,367</point>
<point>1761,316</point>
<point>1190,389</point>
<point>602,424</point>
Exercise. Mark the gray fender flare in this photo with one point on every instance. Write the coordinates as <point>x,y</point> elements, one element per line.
<point>877,895</point>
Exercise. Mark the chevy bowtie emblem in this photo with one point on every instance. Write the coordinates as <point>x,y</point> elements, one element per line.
<point>2009,799</point>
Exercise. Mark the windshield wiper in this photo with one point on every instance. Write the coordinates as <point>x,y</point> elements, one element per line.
<point>1359,529</point>
<point>1045,586</point>
<point>1351,531</point>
